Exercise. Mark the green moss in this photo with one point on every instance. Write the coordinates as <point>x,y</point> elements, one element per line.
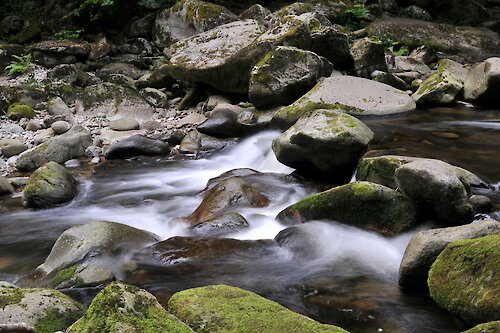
<point>10,296</point>
<point>491,327</point>
<point>264,60</point>
<point>381,170</point>
<point>55,320</point>
<point>40,180</point>
<point>229,309</point>
<point>18,110</point>
<point>64,275</point>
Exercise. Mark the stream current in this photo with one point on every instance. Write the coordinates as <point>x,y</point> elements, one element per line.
<point>351,281</point>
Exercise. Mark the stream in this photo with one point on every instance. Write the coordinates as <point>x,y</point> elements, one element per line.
<point>350,281</point>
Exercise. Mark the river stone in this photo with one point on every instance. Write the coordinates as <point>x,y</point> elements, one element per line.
<point>220,225</point>
<point>229,193</point>
<point>49,186</point>
<point>285,73</point>
<point>43,136</point>
<point>483,82</point>
<point>441,87</point>
<point>425,246</point>
<point>12,147</point>
<point>45,310</point>
<point>300,240</point>
<point>5,186</point>
<point>481,203</point>
<point>69,145</point>
<point>119,68</point>
<point>410,64</point>
<point>111,99</point>
<point>227,120</point>
<point>437,190</point>
<point>57,107</point>
<point>353,95</point>
<point>491,327</point>
<point>18,111</point>
<point>392,80</point>
<point>124,124</point>
<point>124,308</point>
<point>60,127</point>
<point>137,145</point>
<point>88,245</point>
<point>209,308</point>
<point>81,276</point>
<point>187,18</point>
<point>368,56</point>
<point>241,172</point>
<point>363,204</point>
<point>464,279</point>
<point>323,143</point>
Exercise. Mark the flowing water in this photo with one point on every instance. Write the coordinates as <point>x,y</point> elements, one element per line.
<point>349,275</point>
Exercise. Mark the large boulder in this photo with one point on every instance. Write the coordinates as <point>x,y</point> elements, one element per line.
<point>483,82</point>
<point>220,308</point>
<point>187,18</point>
<point>285,73</point>
<point>45,310</point>
<point>464,279</point>
<point>59,149</point>
<point>124,308</point>
<point>425,246</point>
<point>137,145</point>
<point>324,143</point>
<point>349,94</point>
<point>49,186</point>
<point>368,56</point>
<point>363,204</point>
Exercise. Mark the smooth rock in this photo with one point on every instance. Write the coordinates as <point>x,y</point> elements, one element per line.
<point>491,327</point>
<point>57,107</point>
<point>137,145</point>
<point>12,147</point>
<point>81,276</point>
<point>483,82</point>
<point>220,225</point>
<point>441,87</point>
<point>60,127</point>
<point>5,186</point>
<point>124,124</point>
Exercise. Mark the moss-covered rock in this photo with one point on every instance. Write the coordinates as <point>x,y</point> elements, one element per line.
<point>491,327</point>
<point>369,56</point>
<point>363,204</point>
<point>124,308</point>
<point>18,111</point>
<point>465,279</point>
<point>229,309</point>
<point>81,276</point>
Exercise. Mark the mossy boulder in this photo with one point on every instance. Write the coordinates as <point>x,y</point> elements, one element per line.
<point>349,94</point>
<point>483,82</point>
<point>49,186</point>
<point>491,327</point>
<point>465,279</point>
<point>229,309</point>
<point>255,12</point>
<point>18,111</point>
<point>325,143</point>
<point>124,308</point>
<point>45,310</point>
<point>363,204</point>
<point>81,276</point>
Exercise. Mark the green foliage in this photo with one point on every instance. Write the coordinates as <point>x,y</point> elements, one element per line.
<point>355,17</point>
<point>69,34</point>
<point>392,46</point>
<point>403,51</point>
<point>149,4</point>
<point>20,65</point>
<point>95,8</point>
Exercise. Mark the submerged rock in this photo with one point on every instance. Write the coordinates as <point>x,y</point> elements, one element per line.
<point>483,82</point>
<point>211,308</point>
<point>137,145</point>
<point>464,279</point>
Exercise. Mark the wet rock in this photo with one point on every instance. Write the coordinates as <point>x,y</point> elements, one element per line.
<point>57,107</point>
<point>437,190</point>
<point>229,193</point>
<point>220,225</point>
<point>211,307</point>
<point>124,124</point>
<point>18,111</point>
<point>483,82</point>
<point>223,121</point>
<point>81,276</point>
<point>191,143</point>
<point>45,310</point>
<point>71,144</point>
<point>119,68</point>
<point>242,172</point>
<point>60,127</point>
<point>120,307</point>
<point>137,145</point>
<point>12,147</point>
<point>426,245</point>
<point>5,186</point>
<point>481,203</point>
<point>92,151</point>
<point>491,327</point>
<point>324,143</point>
<point>368,56</point>
<point>464,279</point>
<point>299,240</point>
<point>363,204</point>
<point>193,97</point>
<point>285,73</point>
<point>353,95</point>
<point>49,186</point>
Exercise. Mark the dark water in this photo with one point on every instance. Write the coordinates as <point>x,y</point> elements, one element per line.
<point>349,280</point>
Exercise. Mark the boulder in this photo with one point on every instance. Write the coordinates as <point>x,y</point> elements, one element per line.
<point>255,12</point>
<point>212,307</point>
<point>69,145</point>
<point>220,225</point>
<point>18,111</point>
<point>49,186</point>
<point>57,107</point>
<point>5,186</point>
<point>392,80</point>
<point>363,204</point>
<point>78,276</point>
<point>425,246</point>
<point>410,64</point>
<point>159,78</point>
<point>483,82</point>
<point>12,147</point>
<point>368,56</point>
<point>124,308</point>
<point>137,145</point>
<point>119,68</point>
<point>491,327</point>
<point>285,73</point>
<point>324,143</point>
<point>437,190</point>
<point>349,94</point>
<point>45,310</point>
<point>60,127</point>
<point>124,124</point>
<point>464,279</point>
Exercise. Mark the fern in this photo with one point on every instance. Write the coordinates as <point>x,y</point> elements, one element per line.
<point>20,65</point>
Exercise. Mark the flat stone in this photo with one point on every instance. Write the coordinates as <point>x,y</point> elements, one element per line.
<point>124,124</point>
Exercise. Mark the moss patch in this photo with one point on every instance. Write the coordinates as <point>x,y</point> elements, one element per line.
<point>491,327</point>
<point>64,275</point>
<point>381,170</point>
<point>18,110</point>
<point>55,320</point>
<point>10,296</point>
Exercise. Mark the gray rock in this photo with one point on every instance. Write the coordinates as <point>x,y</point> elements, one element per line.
<point>33,125</point>
<point>69,74</point>
<point>12,147</point>
<point>60,127</point>
<point>220,225</point>
<point>78,276</point>
<point>410,64</point>
<point>49,186</point>
<point>92,151</point>
<point>481,203</point>
<point>391,80</point>
<point>124,124</point>
<point>43,136</point>
<point>255,12</point>
<point>416,12</point>
<point>324,143</point>
<point>137,145</point>
<point>57,107</point>
<point>71,144</point>
<point>12,128</point>
<point>425,246</point>
<point>440,88</point>
<point>119,68</point>
<point>155,97</point>
<point>214,100</point>
<point>353,95</point>
<point>285,73</point>
<point>368,56</point>
<point>159,78</point>
<point>18,181</point>
<point>424,53</point>
<point>5,186</point>
<point>483,82</point>
<point>223,121</point>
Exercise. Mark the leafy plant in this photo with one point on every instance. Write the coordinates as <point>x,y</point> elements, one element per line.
<point>93,7</point>
<point>20,65</point>
<point>355,16</point>
<point>392,45</point>
<point>69,34</point>
<point>403,51</point>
